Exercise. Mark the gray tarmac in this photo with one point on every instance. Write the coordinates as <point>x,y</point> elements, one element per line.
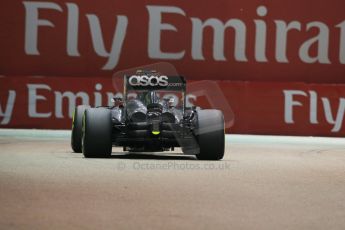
<point>263,182</point>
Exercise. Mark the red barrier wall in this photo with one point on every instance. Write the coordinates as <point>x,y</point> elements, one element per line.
<point>280,65</point>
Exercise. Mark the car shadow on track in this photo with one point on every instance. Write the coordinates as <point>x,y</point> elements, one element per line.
<point>145,156</point>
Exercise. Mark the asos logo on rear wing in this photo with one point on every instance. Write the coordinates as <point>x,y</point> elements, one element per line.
<point>145,80</point>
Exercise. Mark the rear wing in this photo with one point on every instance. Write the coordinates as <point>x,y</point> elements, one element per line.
<point>154,82</point>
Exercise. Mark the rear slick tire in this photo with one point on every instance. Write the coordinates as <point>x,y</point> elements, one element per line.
<point>210,134</point>
<point>77,127</point>
<point>96,133</point>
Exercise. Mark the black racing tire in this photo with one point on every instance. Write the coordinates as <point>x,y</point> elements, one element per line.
<point>210,134</point>
<point>76,127</point>
<point>96,133</point>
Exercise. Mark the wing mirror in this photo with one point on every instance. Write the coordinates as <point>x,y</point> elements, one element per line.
<point>117,101</point>
<point>170,102</point>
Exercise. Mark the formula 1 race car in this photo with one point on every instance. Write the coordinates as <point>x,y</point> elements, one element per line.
<point>150,117</point>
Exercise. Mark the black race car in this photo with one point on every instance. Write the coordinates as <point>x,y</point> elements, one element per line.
<point>150,117</point>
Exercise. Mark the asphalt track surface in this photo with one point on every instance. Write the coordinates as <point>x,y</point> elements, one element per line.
<point>264,182</point>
